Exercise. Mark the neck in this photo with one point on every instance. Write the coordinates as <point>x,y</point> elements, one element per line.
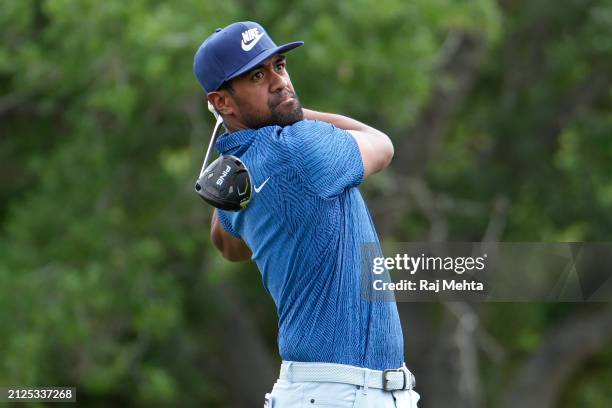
<point>232,125</point>
<point>232,129</point>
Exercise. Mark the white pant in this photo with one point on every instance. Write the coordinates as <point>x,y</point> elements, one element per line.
<point>294,394</point>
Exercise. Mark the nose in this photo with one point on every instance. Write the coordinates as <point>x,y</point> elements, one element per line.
<point>279,82</point>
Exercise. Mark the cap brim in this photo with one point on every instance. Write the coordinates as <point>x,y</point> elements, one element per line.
<point>264,56</point>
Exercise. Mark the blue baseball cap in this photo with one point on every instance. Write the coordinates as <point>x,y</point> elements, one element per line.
<point>232,51</point>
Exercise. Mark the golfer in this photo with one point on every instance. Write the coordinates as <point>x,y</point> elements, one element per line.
<point>304,226</point>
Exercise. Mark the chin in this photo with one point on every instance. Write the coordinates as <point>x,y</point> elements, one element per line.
<point>291,114</point>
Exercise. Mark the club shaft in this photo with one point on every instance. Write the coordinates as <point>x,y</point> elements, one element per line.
<point>210,145</point>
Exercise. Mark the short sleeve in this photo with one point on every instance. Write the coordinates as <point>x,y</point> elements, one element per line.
<point>326,156</point>
<point>226,223</point>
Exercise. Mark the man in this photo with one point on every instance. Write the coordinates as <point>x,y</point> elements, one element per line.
<point>304,226</point>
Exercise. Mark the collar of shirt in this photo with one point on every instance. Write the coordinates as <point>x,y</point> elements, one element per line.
<point>229,141</point>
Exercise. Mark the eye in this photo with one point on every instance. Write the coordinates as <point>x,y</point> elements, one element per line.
<point>257,76</point>
<point>281,66</point>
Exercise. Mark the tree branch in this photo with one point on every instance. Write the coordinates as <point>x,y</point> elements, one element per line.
<point>568,345</point>
<point>457,76</point>
<point>244,361</point>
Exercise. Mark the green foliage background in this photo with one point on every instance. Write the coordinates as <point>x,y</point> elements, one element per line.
<point>107,275</point>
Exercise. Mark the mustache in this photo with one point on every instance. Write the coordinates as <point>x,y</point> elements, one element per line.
<point>277,98</point>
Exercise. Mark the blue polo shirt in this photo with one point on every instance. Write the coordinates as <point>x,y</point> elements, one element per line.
<point>305,225</point>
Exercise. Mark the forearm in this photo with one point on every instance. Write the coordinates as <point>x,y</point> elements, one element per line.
<point>232,248</point>
<point>350,124</point>
<point>340,121</point>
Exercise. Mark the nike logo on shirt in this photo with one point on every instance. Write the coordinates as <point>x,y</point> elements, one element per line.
<point>258,189</point>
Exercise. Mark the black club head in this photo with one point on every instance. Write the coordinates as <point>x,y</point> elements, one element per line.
<point>225,184</point>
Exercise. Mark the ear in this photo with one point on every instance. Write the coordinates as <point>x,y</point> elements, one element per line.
<point>222,102</point>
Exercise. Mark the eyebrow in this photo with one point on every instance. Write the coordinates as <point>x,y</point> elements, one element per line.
<point>280,58</point>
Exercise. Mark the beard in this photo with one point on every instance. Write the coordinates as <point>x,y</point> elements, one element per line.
<point>281,114</point>
<point>287,113</point>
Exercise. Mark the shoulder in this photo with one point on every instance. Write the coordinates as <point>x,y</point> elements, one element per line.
<point>306,127</point>
<point>308,135</point>
<point>299,130</point>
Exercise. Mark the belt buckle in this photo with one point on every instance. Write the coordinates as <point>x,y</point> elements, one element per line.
<point>386,380</point>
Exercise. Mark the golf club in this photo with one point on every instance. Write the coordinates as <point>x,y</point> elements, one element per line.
<point>226,182</point>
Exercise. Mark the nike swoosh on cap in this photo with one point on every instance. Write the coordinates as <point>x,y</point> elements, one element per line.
<point>249,46</point>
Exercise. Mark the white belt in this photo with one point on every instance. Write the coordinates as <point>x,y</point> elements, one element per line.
<point>388,380</point>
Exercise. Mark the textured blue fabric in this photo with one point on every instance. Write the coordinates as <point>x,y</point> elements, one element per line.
<point>305,228</point>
